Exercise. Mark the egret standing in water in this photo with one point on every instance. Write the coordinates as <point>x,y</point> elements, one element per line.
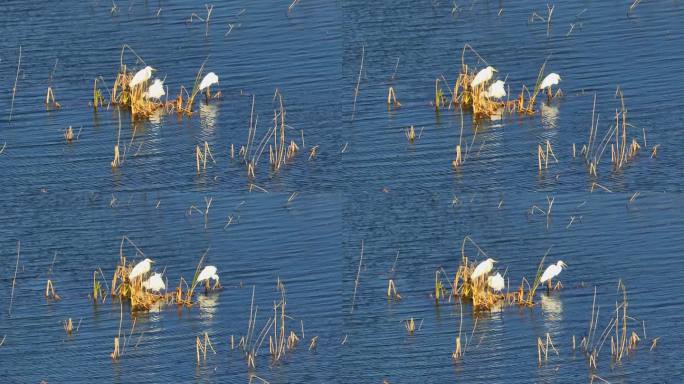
<point>209,272</point>
<point>155,283</point>
<point>141,76</point>
<point>496,282</point>
<point>496,90</point>
<point>550,80</point>
<point>208,80</point>
<point>482,269</point>
<point>140,269</point>
<point>483,76</point>
<point>156,90</point>
<point>552,271</point>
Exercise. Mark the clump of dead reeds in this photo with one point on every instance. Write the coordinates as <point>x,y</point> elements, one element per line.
<point>313,343</point>
<point>410,134</point>
<point>280,339</point>
<point>543,348</point>
<point>473,99</point>
<point>50,291</point>
<point>543,155</point>
<point>392,98</point>
<point>133,99</point>
<point>69,134</point>
<point>622,151</point>
<point>201,157</point>
<point>116,162</point>
<point>202,346</point>
<point>50,101</point>
<point>392,292</point>
<point>116,352</point>
<point>477,100</point>
<point>98,293</point>
<point>621,329</point>
<point>313,152</point>
<point>98,98</point>
<point>475,290</point>
<point>68,326</point>
<point>129,290</point>
<point>410,326</point>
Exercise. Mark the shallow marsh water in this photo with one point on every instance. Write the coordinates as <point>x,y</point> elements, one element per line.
<point>367,184</point>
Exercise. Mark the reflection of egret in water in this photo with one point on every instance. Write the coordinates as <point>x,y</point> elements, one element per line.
<point>552,307</point>
<point>156,119</point>
<point>549,115</point>
<point>497,116</point>
<point>208,114</point>
<point>207,305</point>
<point>155,312</point>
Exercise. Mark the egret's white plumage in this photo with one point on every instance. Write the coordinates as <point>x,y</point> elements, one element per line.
<point>549,80</point>
<point>496,90</point>
<point>140,269</point>
<point>552,271</point>
<point>496,282</point>
<point>483,76</point>
<point>483,268</point>
<point>155,283</point>
<point>156,90</point>
<point>141,76</point>
<point>209,272</point>
<point>208,80</point>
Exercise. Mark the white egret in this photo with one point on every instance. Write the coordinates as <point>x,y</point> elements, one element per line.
<point>552,271</point>
<point>155,283</point>
<point>209,272</point>
<point>140,269</point>
<point>483,268</point>
<point>156,90</point>
<point>208,80</point>
<point>496,282</point>
<point>483,76</point>
<point>550,80</point>
<point>496,90</point>
<point>141,76</point>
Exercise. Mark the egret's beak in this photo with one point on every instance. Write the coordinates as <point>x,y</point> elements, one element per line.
<point>494,261</point>
<point>563,265</point>
<point>493,69</point>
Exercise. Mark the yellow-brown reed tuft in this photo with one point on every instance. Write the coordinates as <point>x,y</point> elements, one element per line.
<point>50,101</point>
<point>69,135</point>
<point>116,352</point>
<point>132,291</point>
<point>117,160</point>
<point>410,326</point>
<point>314,343</point>
<point>475,290</point>
<point>392,98</point>
<point>98,99</point>
<point>50,291</point>
<point>543,155</point>
<point>543,348</point>
<point>392,293</point>
<point>202,155</point>
<point>410,134</point>
<point>202,346</point>
<point>98,293</point>
<point>68,326</point>
<point>133,99</point>
<point>313,152</point>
